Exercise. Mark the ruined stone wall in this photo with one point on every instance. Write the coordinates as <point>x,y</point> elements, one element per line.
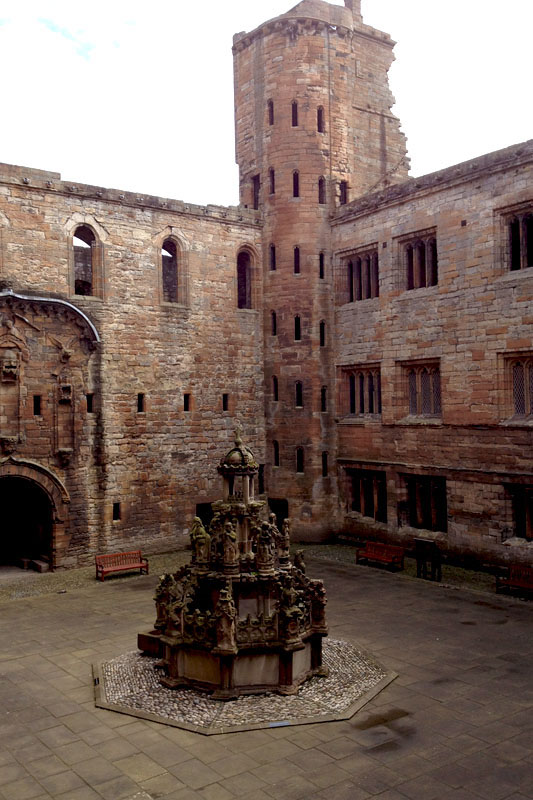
<point>317,56</point>
<point>148,453</point>
<point>469,327</point>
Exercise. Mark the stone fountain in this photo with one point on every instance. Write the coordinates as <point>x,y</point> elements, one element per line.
<point>241,618</point>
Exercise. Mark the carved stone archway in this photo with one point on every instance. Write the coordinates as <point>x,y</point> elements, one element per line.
<point>43,482</point>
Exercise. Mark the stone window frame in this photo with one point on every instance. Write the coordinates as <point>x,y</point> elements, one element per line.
<point>414,242</point>
<point>418,496</point>
<point>504,248</point>
<point>369,283</point>
<point>414,390</point>
<point>182,258</point>
<point>98,257</point>
<point>246,247</point>
<point>369,503</point>
<point>510,394</point>
<point>351,380</point>
<point>521,499</point>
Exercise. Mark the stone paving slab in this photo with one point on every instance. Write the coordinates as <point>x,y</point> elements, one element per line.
<point>456,723</point>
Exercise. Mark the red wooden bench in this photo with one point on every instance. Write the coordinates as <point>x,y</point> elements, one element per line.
<point>518,577</point>
<point>383,553</point>
<point>118,562</point>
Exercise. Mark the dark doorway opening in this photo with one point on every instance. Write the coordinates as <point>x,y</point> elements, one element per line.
<point>26,530</point>
<point>205,512</point>
<point>279,507</point>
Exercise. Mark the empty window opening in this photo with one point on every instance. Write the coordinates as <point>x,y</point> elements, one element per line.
<point>270,112</point>
<point>521,241</point>
<point>187,401</point>
<point>274,323</point>
<point>300,459</point>
<point>116,512</point>
<point>421,262</point>
<point>275,448</point>
<point>324,398</point>
<point>272,257</point>
<point>424,391</point>
<point>244,280</point>
<point>297,329</point>
<point>322,191</point>
<point>225,402</point>
<point>37,405</point>
<point>84,242</point>
<point>294,114</point>
<point>363,391</point>
<point>426,502</point>
<point>275,388</point>
<point>272,180</point>
<point>296,183</point>
<point>299,395</point>
<point>320,123</point>
<point>89,399</point>
<point>363,277</point>
<point>296,260</point>
<point>322,334</point>
<point>256,188</point>
<point>169,258</point>
<point>369,494</point>
<point>324,465</point>
<point>141,403</point>
<point>522,500</point>
<point>343,193</point>
<point>321,266</point>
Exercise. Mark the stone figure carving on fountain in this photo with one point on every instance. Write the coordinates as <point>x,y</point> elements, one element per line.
<point>226,621</point>
<point>231,550</point>
<point>284,543</point>
<point>265,550</point>
<point>201,544</point>
<point>299,561</point>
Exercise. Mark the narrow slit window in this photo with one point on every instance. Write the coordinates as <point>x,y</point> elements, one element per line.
<point>322,334</point>
<point>297,328</point>
<point>324,465</point>
<point>294,114</point>
<point>299,395</point>
<point>321,266</point>
<point>141,403</point>
<point>320,123</point>
<point>244,280</point>
<point>299,459</point>
<point>274,323</point>
<point>89,399</point>
<point>84,242</point>
<point>225,402</point>
<point>296,183</point>
<point>275,448</point>
<point>187,401</point>
<point>322,191</point>
<point>270,112</point>
<point>275,389</point>
<point>37,405</point>
<point>116,512</point>
<point>272,180</point>
<point>297,260</point>
<point>272,257</point>
<point>343,193</point>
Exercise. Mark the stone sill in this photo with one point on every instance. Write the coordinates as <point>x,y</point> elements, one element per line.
<point>518,541</point>
<point>517,422</point>
<point>509,275</point>
<point>429,421</point>
<point>364,419</point>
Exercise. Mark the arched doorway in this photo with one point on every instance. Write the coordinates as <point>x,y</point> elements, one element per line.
<point>27,522</point>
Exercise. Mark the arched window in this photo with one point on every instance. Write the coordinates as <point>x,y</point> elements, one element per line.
<point>294,114</point>
<point>320,123</point>
<point>299,459</point>
<point>299,395</point>
<point>272,257</point>
<point>270,112</point>
<point>297,328</point>
<point>296,260</point>
<point>321,266</point>
<point>169,264</point>
<point>275,448</point>
<point>244,280</point>
<point>322,191</point>
<point>275,392</point>
<point>272,180</point>
<point>296,183</point>
<point>322,333</point>
<point>273,323</point>
<point>84,242</point>
<point>324,398</point>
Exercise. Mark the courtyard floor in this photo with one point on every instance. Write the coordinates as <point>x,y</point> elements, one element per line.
<point>456,723</point>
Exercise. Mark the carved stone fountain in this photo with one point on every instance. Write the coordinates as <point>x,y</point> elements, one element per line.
<point>240,618</point>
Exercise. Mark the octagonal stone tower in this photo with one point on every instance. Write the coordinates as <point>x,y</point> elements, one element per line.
<point>241,618</point>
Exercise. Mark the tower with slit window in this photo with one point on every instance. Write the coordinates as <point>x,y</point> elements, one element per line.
<point>314,130</point>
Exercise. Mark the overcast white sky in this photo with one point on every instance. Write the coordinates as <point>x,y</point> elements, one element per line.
<point>139,96</point>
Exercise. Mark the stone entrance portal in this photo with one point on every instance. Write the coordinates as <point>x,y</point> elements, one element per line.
<point>27,523</point>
